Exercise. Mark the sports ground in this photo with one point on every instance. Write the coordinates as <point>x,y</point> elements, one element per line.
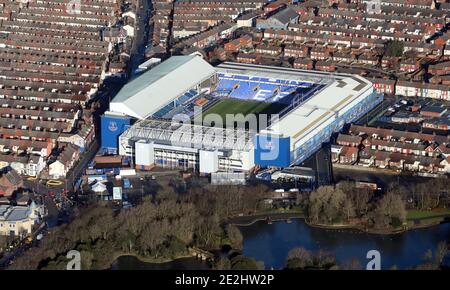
<point>235,106</point>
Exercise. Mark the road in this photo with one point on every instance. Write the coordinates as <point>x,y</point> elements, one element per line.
<point>376,112</point>
<point>71,177</point>
<point>141,36</point>
<point>9,256</point>
<point>320,162</point>
<point>382,179</point>
<point>75,173</point>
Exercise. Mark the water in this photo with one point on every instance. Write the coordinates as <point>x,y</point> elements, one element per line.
<point>271,243</point>
<point>133,263</point>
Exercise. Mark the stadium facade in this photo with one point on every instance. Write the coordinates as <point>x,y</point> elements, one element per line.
<point>154,119</point>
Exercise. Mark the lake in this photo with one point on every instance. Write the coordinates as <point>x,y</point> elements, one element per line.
<point>271,243</point>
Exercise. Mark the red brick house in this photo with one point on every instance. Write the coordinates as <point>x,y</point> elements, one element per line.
<point>433,111</point>
<point>348,140</point>
<point>349,155</point>
<point>327,66</point>
<point>320,53</point>
<point>303,63</point>
<point>247,58</point>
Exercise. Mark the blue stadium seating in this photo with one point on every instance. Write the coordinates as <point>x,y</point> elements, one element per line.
<point>260,88</point>
<point>164,111</point>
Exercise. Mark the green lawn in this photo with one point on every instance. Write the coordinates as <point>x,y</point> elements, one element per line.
<point>425,214</point>
<point>234,106</point>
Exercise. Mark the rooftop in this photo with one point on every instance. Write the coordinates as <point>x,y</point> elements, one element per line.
<point>155,88</point>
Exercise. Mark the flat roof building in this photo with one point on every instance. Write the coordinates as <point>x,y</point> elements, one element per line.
<point>164,83</point>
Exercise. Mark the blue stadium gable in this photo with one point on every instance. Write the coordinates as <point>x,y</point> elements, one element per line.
<point>111,128</point>
<point>272,151</point>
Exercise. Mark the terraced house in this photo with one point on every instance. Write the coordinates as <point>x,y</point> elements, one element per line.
<point>52,62</point>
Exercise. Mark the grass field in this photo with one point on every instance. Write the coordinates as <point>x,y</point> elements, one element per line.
<point>424,218</point>
<point>234,106</point>
<point>422,214</point>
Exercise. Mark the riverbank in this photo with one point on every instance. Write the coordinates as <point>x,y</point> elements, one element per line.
<point>144,259</point>
<point>249,220</point>
<point>132,263</point>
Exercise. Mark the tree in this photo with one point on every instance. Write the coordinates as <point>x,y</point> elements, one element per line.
<point>3,243</point>
<point>390,211</point>
<point>333,209</point>
<point>394,48</point>
<point>352,264</point>
<point>326,205</point>
<point>324,260</point>
<point>349,209</point>
<point>222,263</point>
<point>359,197</point>
<point>241,262</point>
<point>86,260</point>
<point>235,236</point>
<point>428,256</point>
<point>208,231</point>
<point>441,252</point>
<point>299,258</point>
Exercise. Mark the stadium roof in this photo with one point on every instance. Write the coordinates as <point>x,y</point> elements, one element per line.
<point>167,81</point>
<point>310,117</point>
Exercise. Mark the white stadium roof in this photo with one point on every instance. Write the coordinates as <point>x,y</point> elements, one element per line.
<point>151,91</point>
<point>311,116</point>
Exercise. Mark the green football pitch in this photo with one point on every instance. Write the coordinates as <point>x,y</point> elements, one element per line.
<point>234,107</point>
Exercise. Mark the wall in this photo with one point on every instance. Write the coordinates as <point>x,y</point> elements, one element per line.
<point>111,127</point>
<point>272,151</point>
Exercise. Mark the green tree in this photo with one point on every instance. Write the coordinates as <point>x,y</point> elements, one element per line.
<point>241,262</point>
<point>394,48</point>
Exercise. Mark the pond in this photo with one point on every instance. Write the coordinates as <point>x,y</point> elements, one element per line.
<point>271,243</point>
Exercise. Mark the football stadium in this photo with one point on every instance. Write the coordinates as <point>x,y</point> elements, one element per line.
<point>185,113</point>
